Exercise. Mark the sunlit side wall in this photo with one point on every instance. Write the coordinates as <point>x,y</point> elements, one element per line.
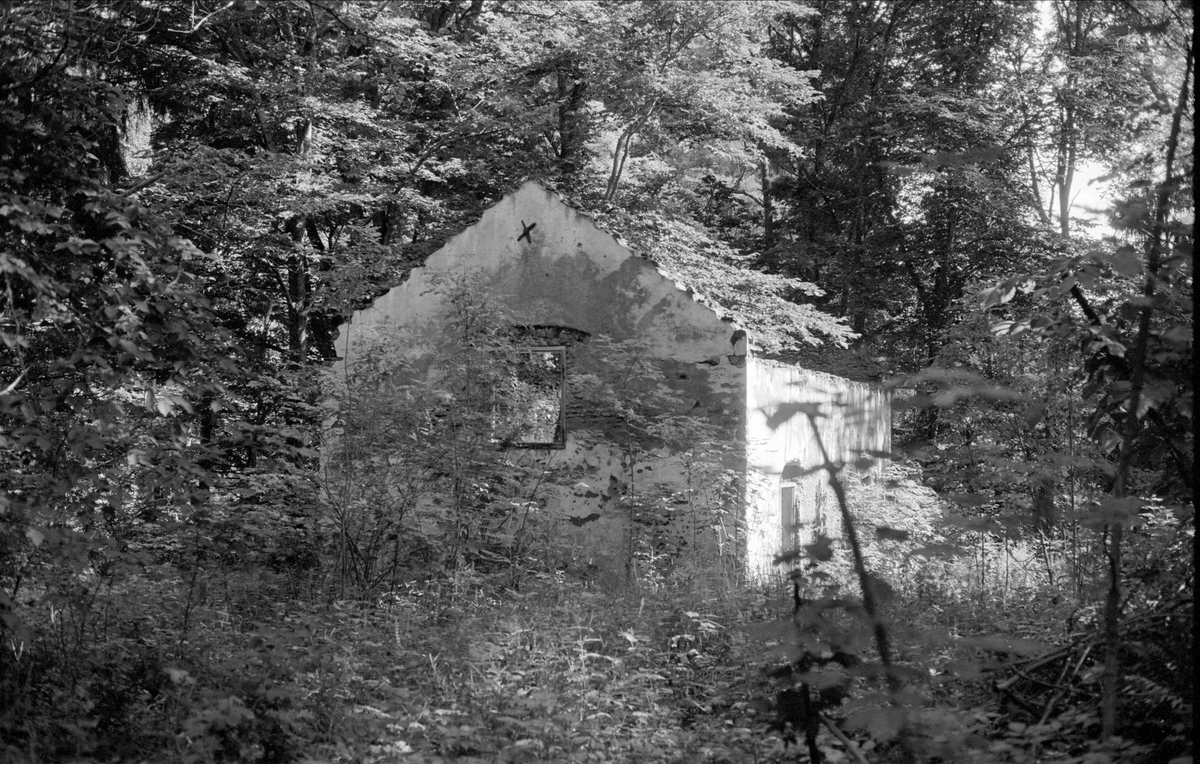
<point>852,420</point>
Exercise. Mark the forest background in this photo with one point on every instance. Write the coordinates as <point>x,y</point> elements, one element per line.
<point>194,194</point>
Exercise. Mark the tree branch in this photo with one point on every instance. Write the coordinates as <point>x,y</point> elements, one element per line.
<point>13,385</point>
<point>196,27</point>
<point>1085,306</point>
<point>144,183</point>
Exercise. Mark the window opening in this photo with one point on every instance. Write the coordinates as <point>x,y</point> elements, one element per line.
<point>819,501</point>
<point>529,407</point>
<point>789,520</point>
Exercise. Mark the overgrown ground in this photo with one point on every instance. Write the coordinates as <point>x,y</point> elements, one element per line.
<point>555,672</point>
<point>235,665</point>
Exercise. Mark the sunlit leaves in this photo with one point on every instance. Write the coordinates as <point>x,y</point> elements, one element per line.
<point>771,307</point>
<point>1004,291</point>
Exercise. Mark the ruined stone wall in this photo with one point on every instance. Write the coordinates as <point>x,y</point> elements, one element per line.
<point>641,343</point>
<point>784,459</point>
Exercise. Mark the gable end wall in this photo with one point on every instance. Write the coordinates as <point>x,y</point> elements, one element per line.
<point>544,263</point>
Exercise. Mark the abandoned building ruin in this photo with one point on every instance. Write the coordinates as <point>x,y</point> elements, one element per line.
<point>567,285</point>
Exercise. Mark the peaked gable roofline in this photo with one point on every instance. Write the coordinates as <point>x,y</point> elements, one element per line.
<point>826,358</point>
<point>531,187</point>
<point>590,217</point>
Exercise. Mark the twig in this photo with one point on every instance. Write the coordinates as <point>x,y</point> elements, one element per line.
<point>196,27</point>
<point>1037,661</point>
<point>13,385</point>
<point>851,746</point>
<point>1006,684</point>
<point>1063,682</point>
<point>1025,704</point>
<point>142,184</point>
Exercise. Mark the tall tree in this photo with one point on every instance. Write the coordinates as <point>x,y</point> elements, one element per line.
<point>902,153</point>
<point>113,363</point>
<point>1078,85</point>
<point>1125,300</point>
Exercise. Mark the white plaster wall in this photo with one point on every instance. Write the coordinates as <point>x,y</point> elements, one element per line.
<point>853,417</point>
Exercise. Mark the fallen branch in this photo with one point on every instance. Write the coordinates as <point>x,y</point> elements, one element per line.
<point>1022,675</point>
<point>144,183</point>
<point>851,746</point>
<point>13,385</point>
<point>1064,682</point>
<point>1022,702</point>
<point>1037,661</point>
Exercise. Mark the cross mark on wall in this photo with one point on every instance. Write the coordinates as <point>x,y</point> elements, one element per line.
<point>525,231</point>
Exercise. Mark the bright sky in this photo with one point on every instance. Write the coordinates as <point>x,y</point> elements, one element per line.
<point>1090,200</point>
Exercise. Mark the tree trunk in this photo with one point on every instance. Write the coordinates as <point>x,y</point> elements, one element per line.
<point>768,204</point>
<point>297,311</point>
<point>1111,680</point>
<point>1045,516</point>
<point>571,89</point>
<point>391,221</point>
<point>298,288</point>
<point>1066,177</point>
<point>620,154</point>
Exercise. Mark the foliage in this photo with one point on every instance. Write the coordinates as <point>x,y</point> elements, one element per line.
<point>771,307</point>
<point>904,194</point>
<point>194,194</point>
<point>420,473</point>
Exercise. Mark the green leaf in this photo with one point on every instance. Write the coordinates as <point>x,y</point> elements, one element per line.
<point>1179,334</point>
<point>884,533</point>
<point>882,724</point>
<point>1010,328</point>
<point>821,549</point>
<point>1113,509</point>
<point>1125,261</point>
<point>179,676</point>
<point>997,295</point>
<point>970,499</point>
<point>1003,643</point>
<point>943,551</point>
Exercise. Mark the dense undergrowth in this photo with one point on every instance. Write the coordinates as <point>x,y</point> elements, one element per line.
<point>256,666</point>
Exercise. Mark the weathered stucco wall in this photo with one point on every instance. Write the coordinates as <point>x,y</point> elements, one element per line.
<point>563,271</point>
<point>543,263</point>
<point>783,456</point>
